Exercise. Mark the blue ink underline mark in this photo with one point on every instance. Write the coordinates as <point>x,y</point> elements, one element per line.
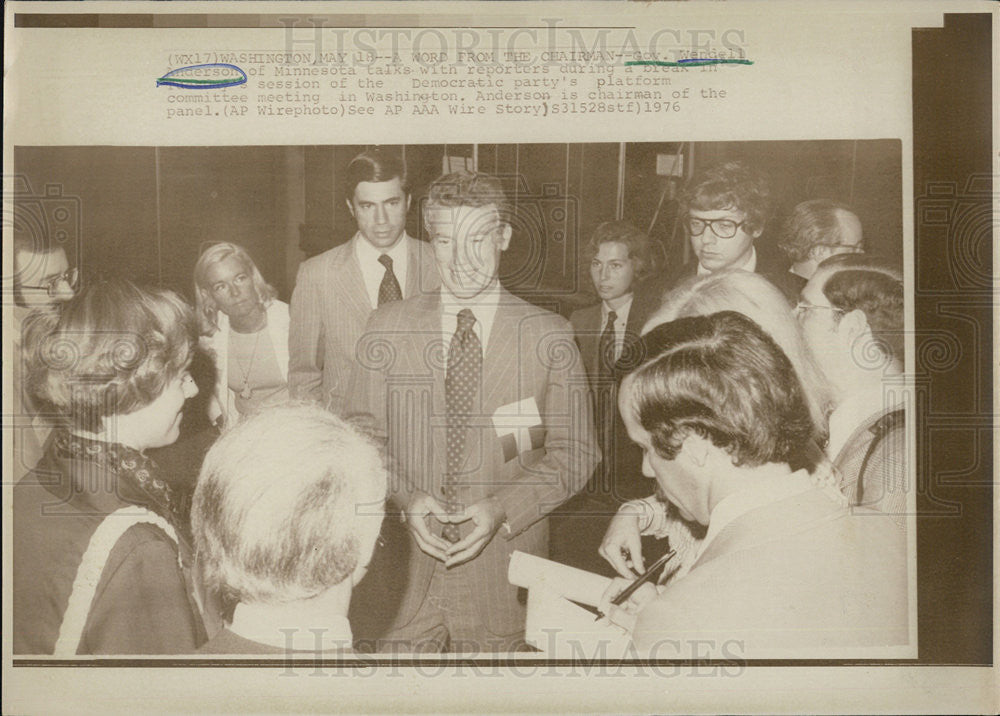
<point>202,84</point>
<point>692,62</point>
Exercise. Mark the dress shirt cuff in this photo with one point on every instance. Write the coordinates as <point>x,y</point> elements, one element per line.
<point>652,516</point>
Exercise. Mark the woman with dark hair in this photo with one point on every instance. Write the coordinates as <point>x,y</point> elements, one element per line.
<point>245,330</point>
<point>99,535</point>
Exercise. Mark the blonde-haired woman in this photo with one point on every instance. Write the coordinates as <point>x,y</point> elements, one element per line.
<point>245,330</point>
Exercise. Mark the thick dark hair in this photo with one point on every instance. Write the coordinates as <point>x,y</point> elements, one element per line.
<point>374,165</point>
<point>640,248</point>
<point>873,285</point>
<point>464,188</point>
<point>812,223</point>
<point>111,350</point>
<point>730,185</point>
<point>723,378</point>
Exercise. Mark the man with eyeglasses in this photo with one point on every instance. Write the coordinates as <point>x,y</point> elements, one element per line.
<point>43,280</point>
<point>851,313</point>
<point>724,210</point>
<point>816,230</point>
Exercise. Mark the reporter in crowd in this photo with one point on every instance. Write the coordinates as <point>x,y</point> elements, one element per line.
<point>281,538</point>
<point>100,553</point>
<point>43,280</point>
<point>785,567</point>
<point>245,331</point>
<point>754,296</point>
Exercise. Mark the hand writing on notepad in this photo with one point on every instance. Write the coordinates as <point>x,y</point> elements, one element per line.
<point>625,614</point>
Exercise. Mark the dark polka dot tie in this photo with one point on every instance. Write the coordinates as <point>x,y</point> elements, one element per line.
<point>389,289</point>
<point>461,390</point>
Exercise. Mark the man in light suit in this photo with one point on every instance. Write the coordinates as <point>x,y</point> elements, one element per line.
<point>336,291</point>
<point>483,401</point>
<point>786,568</point>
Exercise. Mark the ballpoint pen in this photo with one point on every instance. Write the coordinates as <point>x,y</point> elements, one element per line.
<point>646,576</point>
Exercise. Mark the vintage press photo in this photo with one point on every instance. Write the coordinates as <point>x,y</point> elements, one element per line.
<point>239,252</point>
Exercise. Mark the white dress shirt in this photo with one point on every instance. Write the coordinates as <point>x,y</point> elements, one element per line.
<point>268,625</point>
<point>372,272</point>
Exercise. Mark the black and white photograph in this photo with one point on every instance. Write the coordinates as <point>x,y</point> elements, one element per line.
<point>704,403</point>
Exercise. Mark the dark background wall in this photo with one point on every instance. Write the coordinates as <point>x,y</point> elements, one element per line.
<point>146,213</point>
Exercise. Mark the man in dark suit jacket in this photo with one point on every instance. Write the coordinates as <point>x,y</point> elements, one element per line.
<point>484,404</point>
<point>336,291</point>
<point>619,256</point>
<point>725,210</point>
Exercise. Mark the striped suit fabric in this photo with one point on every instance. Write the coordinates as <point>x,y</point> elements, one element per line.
<point>329,309</point>
<point>400,381</point>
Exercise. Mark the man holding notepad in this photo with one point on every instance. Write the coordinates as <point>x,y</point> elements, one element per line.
<point>483,401</point>
<point>785,567</point>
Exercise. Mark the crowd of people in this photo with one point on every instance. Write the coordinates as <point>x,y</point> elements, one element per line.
<point>745,408</point>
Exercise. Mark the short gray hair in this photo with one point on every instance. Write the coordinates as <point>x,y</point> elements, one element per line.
<point>288,504</point>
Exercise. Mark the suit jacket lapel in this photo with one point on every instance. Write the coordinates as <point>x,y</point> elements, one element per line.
<point>414,269</point>
<point>500,356</point>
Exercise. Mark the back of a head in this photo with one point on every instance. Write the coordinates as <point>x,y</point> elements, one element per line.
<point>375,165</point>
<point>722,377</point>
<point>289,503</point>
<point>111,350</point>
<point>757,298</point>
<point>873,285</point>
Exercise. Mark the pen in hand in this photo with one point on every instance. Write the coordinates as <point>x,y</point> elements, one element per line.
<point>646,576</point>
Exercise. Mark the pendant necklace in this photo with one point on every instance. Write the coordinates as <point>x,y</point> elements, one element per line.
<point>247,392</point>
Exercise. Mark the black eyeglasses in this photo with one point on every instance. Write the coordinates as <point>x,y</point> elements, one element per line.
<point>51,286</point>
<point>723,228</point>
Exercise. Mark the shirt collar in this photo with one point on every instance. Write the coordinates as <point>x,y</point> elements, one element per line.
<point>484,306</point>
<point>367,253</point>
<point>284,627</point>
<point>749,265</point>
<point>621,313</point>
<point>761,493</point>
